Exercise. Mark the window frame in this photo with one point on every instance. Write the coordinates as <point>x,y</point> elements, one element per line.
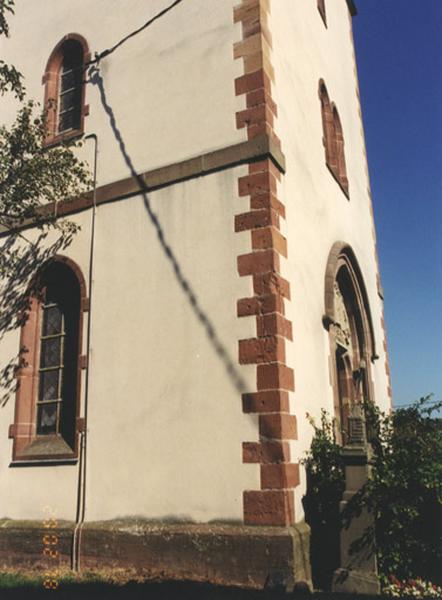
<point>333,139</point>
<point>29,447</point>
<point>51,81</point>
<point>343,269</point>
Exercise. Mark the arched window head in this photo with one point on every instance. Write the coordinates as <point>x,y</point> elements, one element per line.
<point>333,139</point>
<point>65,89</point>
<point>348,321</point>
<point>47,400</point>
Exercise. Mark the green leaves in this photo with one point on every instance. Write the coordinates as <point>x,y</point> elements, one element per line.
<point>6,6</point>
<point>10,79</point>
<point>404,492</point>
<point>406,489</point>
<point>33,175</point>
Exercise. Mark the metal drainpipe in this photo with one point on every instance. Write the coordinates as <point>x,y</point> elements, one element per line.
<point>81,496</point>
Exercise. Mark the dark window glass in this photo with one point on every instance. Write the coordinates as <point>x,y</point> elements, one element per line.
<point>68,120</point>
<point>57,390</point>
<point>52,320</point>
<point>47,418</point>
<point>49,385</point>
<point>70,90</point>
<point>51,352</point>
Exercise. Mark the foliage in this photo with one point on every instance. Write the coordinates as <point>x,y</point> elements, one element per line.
<point>412,588</point>
<point>32,175</point>
<point>325,468</point>
<point>325,486</point>
<point>65,577</point>
<point>10,79</point>
<point>404,492</point>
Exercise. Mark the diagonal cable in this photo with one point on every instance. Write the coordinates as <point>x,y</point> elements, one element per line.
<point>100,55</point>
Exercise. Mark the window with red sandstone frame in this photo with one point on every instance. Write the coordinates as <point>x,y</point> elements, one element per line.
<point>333,139</point>
<point>65,89</point>
<point>47,399</point>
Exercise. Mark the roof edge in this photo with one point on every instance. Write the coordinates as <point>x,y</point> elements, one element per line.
<point>352,7</point>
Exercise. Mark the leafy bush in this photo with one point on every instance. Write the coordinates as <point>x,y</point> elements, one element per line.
<point>412,588</point>
<point>325,486</point>
<point>404,492</point>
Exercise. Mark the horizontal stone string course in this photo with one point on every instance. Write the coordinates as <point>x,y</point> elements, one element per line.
<point>273,504</point>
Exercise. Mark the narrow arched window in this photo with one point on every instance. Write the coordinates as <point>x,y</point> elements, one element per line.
<point>340,154</point>
<point>328,127</point>
<point>65,89</point>
<point>58,352</point>
<point>333,139</point>
<point>70,87</point>
<point>47,400</point>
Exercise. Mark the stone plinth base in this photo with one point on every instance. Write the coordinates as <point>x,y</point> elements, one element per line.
<point>356,582</point>
<point>232,555</point>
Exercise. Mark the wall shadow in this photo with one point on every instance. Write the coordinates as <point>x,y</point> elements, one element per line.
<point>95,78</point>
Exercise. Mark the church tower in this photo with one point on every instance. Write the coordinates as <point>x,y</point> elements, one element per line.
<point>224,283</point>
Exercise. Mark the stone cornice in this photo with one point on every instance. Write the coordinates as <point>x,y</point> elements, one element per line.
<point>258,148</point>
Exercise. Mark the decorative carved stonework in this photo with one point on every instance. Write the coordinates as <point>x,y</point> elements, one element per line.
<point>356,428</point>
<point>342,324</point>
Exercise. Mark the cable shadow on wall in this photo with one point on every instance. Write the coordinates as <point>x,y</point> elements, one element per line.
<point>235,377</point>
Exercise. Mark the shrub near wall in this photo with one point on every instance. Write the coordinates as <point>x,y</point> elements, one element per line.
<point>325,486</point>
<point>404,493</point>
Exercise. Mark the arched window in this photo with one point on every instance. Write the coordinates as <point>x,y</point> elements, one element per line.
<point>348,320</point>
<point>47,400</point>
<point>65,89</point>
<point>333,139</point>
<point>340,155</point>
<point>328,128</point>
<point>321,8</point>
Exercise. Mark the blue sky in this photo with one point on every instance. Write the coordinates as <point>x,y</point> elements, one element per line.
<point>399,54</point>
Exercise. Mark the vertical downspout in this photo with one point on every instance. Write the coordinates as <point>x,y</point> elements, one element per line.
<point>81,494</point>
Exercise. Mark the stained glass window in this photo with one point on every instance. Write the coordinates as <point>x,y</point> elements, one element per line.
<point>51,369</point>
<point>58,354</point>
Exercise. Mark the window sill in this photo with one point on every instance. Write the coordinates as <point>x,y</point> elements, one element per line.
<point>62,138</point>
<point>42,462</point>
<point>343,186</point>
<point>45,450</point>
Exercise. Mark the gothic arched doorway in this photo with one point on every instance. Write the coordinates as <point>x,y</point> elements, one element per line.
<point>348,321</point>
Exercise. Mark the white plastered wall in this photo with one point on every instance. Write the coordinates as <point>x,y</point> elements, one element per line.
<point>318,212</point>
<point>170,87</point>
<point>165,422</point>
